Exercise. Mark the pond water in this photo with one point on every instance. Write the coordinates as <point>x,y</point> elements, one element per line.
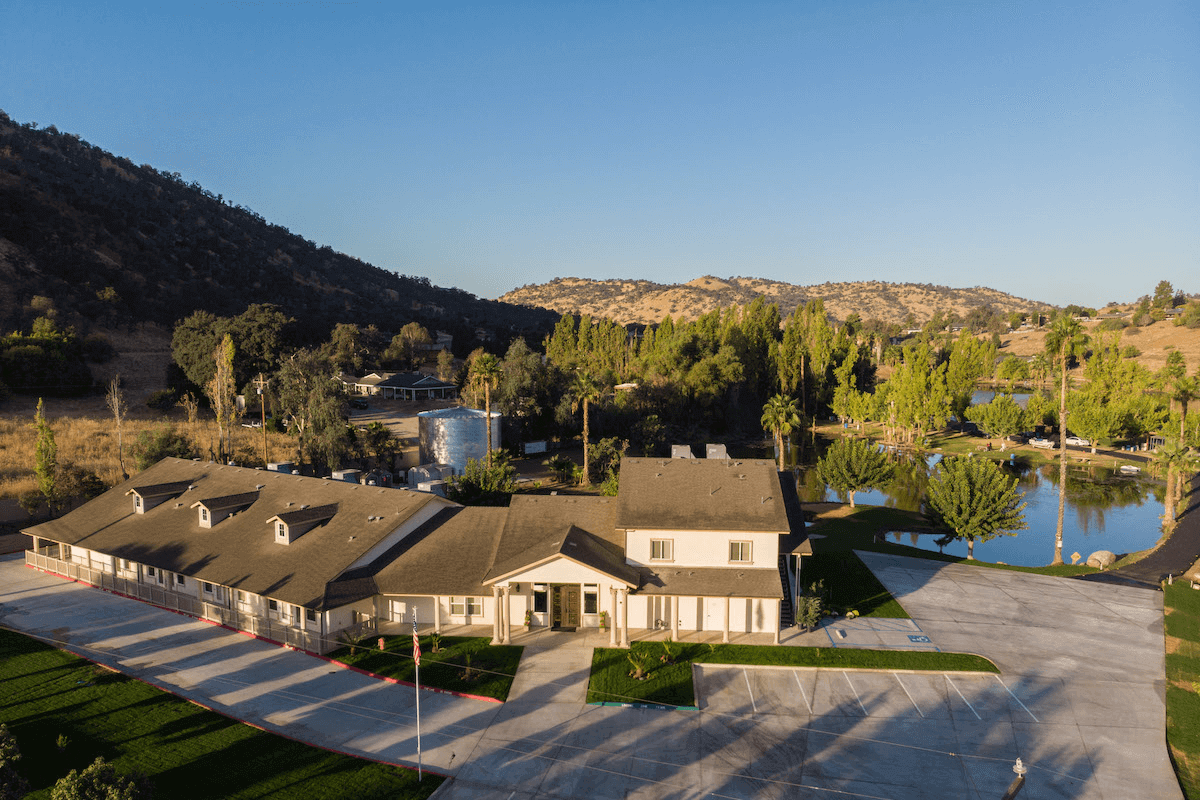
<point>981,397</point>
<point>1104,511</point>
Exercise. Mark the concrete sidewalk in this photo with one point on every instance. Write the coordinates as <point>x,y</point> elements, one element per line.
<point>759,733</point>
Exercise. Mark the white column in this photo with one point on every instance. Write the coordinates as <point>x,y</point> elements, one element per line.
<point>507,630</point>
<point>624,617</point>
<point>725,634</point>
<point>437,614</point>
<point>495,615</point>
<point>674,617</point>
<point>778,611</point>
<point>612,618</point>
<point>36,543</point>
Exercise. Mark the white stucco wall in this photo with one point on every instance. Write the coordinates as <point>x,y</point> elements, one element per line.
<point>702,548</point>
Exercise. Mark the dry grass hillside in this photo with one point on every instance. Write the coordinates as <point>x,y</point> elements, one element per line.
<point>1155,342</point>
<point>645,302</point>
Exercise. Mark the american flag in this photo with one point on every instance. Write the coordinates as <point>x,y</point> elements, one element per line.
<point>416,642</point>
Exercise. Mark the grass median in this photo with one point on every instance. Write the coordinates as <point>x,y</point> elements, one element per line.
<point>64,711</point>
<point>668,666</point>
<point>1182,622</point>
<point>467,664</point>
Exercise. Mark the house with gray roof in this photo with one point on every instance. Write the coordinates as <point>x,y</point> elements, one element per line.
<point>400,386</point>
<point>687,545</point>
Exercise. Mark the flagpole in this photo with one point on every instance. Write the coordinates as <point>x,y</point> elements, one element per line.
<point>417,689</point>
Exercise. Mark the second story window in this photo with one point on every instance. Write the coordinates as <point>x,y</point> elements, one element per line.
<point>661,550</point>
<point>739,552</point>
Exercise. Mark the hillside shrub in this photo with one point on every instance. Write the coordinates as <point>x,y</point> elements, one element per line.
<point>154,445</point>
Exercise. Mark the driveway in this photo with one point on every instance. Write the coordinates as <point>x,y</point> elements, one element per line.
<point>759,733</point>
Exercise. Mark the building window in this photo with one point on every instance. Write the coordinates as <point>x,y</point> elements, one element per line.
<point>203,514</point>
<point>466,606</point>
<point>137,502</point>
<point>310,615</point>
<point>66,552</point>
<point>273,605</point>
<point>539,598</point>
<point>661,550</point>
<point>591,598</point>
<point>179,579</point>
<point>125,564</point>
<point>241,596</point>
<point>207,587</point>
<point>281,531</point>
<point>739,552</point>
<point>150,572</point>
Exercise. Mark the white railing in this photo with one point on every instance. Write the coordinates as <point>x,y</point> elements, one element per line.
<point>267,628</point>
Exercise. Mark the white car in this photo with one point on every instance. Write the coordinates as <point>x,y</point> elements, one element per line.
<point>1045,444</point>
<point>1076,441</point>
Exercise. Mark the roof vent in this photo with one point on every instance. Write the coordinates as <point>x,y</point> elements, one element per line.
<point>179,505</point>
<point>259,487</point>
<point>193,486</point>
<point>304,506</point>
<point>352,538</point>
<point>290,504</point>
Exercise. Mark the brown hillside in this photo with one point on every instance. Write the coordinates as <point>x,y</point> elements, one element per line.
<point>640,301</point>
<point>1155,342</point>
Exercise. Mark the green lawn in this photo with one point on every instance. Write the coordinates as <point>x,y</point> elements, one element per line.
<point>851,586</point>
<point>1182,620</point>
<point>671,684</point>
<point>463,664</point>
<point>183,749</point>
<point>858,528</point>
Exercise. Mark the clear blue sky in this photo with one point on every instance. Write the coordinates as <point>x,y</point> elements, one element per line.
<point>1051,150</point>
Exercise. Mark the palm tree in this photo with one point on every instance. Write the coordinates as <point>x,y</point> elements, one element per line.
<point>1064,340</point>
<point>780,415</point>
<point>1173,461</point>
<point>585,390</point>
<point>1186,390</point>
<point>486,371</point>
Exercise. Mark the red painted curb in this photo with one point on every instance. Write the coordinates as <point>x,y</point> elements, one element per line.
<point>334,661</point>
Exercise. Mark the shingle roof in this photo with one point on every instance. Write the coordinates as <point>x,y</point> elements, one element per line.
<point>310,514</point>
<point>537,524</point>
<point>228,501</point>
<point>240,551</point>
<point>448,555</point>
<point>159,489</point>
<point>700,494</point>
<point>712,582</point>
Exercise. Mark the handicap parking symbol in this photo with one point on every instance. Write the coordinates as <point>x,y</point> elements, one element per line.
<point>916,638</point>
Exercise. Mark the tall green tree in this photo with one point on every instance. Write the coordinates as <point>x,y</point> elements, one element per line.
<point>221,391</point>
<point>485,372</point>
<point>585,390</point>
<point>314,402</point>
<point>850,465</point>
<point>115,400</point>
<point>975,499</point>
<point>45,460</point>
<point>999,419</point>
<point>971,359</point>
<point>780,416</point>
<point>1065,340</point>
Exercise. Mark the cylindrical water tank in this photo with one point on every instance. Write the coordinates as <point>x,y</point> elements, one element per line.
<point>453,435</point>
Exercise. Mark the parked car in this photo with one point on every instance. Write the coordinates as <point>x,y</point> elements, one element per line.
<point>358,402</point>
<point>1045,444</point>
<point>1076,441</point>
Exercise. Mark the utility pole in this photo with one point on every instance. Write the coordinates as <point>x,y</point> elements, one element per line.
<point>260,384</point>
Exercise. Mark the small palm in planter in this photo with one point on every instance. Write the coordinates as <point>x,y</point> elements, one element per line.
<point>528,619</point>
<point>638,662</point>
<point>603,620</point>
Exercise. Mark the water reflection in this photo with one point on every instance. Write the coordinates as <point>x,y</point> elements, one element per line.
<point>1105,510</point>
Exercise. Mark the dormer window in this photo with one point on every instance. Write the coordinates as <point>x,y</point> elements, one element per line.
<point>291,525</point>
<point>137,503</point>
<point>203,514</point>
<point>281,531</point>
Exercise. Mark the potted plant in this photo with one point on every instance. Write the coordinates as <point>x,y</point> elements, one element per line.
<point>603,620</point>
<point>528,619</point>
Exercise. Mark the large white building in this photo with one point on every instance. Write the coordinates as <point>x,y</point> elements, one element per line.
<point>688,544</point>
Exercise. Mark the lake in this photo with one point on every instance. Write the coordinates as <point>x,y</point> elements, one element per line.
<point>1104,511</point>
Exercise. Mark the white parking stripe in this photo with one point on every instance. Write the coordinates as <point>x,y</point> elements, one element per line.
<point>1014,697</point>
<point>960,694</point>
<point>753,704</point>
<point>803,694</point>
<point>910,697</point>
<point>856,697</point>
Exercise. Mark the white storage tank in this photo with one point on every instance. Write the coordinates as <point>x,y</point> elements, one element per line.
<point>453,435</point>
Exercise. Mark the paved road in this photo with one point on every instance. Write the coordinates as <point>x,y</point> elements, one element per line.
<point>794,734</point>
<point>1175,556</point>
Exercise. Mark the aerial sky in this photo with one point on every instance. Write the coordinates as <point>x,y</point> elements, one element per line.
<point>1050,150</point>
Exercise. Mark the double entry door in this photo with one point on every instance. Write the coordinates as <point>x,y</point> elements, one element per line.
<point>564,606</point>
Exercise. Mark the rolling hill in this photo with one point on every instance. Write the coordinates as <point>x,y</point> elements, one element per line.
<point>645,302</point>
